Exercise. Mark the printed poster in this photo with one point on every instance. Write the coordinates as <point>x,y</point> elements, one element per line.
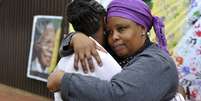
<point>44,46</point>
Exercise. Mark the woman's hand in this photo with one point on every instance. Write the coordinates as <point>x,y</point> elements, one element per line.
<point>84,49</point>
<point>54,80</point>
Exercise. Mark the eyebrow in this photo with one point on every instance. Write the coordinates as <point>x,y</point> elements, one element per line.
<point>117,25</point>
<point>120,25</point>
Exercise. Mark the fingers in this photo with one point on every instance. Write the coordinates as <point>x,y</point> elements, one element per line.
<point>95,53</point>
<point>76,61</point>
<point>85,49</point>
<point>83,63</point>
<point>101,49</point>
<point>86,61</point>
<point>90,62</point>
<point>97,57</point>
<point>80,57</point>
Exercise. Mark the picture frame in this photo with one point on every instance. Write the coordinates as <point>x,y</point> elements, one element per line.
<point>44,47</point>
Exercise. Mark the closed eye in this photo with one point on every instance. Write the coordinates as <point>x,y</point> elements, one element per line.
<point>108,31</point>
<point>120,29</point>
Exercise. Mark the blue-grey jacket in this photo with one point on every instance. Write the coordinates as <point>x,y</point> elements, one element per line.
<point>150,76</point>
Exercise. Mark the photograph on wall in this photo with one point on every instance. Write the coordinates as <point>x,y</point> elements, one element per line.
<point>44,46</point>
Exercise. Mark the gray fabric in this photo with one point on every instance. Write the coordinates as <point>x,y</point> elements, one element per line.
<point>65,49</point>
<point>150,76</point>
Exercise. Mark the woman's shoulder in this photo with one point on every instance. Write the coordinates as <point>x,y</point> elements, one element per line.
<point>156,52</point>
<point>155,55</point>
<point>153,59</point>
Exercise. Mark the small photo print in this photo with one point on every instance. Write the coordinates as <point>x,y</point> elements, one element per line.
<point>46,33</point>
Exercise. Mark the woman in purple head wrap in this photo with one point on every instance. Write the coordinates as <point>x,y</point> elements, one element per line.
<point>148,74</point>
<point>138,12</point>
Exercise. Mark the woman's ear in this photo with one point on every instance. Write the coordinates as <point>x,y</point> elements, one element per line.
<point>143,31</point>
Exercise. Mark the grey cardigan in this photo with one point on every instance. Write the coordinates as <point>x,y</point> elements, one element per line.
<point>150,76</point>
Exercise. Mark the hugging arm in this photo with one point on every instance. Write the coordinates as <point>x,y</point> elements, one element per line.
<point>84,49</point>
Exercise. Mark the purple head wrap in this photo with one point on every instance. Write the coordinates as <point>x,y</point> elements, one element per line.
<point>139,12</point>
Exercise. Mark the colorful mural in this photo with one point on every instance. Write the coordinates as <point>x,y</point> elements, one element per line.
<point>183,30</point>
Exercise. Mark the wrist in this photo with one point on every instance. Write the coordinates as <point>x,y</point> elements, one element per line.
<point>70,42</point>
<point>72,38</point>
<point>75,36</point>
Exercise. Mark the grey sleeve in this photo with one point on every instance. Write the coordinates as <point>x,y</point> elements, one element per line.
<point>146,79</point>
<point>65,49</point>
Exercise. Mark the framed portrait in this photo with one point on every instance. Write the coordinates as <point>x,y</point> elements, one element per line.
<point>46,34</point>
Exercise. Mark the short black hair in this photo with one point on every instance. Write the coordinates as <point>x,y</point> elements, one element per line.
<point>85,15</point>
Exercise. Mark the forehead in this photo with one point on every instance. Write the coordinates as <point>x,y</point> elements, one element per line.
<point>116,21</point>
<point>47,38</point>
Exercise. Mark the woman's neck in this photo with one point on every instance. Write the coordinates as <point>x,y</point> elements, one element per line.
<point>124,61</point>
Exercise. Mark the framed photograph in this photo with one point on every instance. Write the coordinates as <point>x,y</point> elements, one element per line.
<point>46,33</point>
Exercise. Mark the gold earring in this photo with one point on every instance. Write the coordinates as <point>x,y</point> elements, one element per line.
<point>143,33</point>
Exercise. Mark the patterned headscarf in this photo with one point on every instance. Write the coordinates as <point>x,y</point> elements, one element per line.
<point>138,12</point>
